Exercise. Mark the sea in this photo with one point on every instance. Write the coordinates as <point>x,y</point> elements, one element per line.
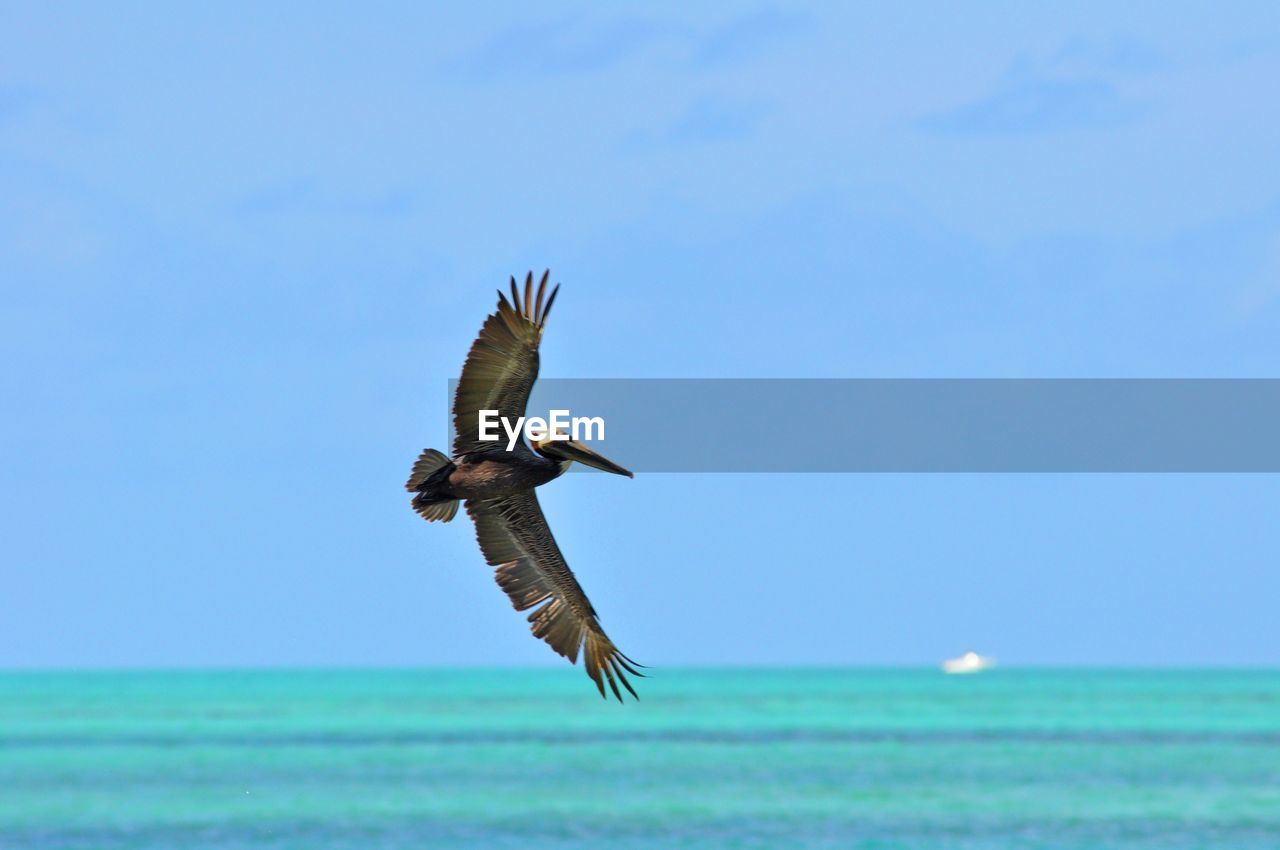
<point>714,758</point>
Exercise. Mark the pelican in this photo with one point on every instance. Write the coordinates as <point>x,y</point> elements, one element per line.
<point>498,487</point>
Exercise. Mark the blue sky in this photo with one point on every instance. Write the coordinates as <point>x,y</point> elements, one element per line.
<point>242,250</point>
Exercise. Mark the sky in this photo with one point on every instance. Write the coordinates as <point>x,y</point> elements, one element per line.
<point>244,247</point>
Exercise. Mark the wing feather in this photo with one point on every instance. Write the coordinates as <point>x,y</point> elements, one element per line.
<point>516,540</point>
<point>501,366</point>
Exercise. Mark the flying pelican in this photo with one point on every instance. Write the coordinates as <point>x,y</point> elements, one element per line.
<point>498,487</point>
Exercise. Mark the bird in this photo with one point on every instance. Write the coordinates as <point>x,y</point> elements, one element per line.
<point>497,487</point>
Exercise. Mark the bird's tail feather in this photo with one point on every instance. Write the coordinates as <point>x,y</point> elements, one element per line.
<point>432,511</point>
<point>428,462</point>
<point>430,506</point>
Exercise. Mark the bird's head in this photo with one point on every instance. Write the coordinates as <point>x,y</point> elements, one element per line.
<point>564,449</point>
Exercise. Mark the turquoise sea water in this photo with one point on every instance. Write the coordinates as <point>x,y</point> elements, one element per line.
<point>712,758</point>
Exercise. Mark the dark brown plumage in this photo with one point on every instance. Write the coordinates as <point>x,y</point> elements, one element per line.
<point>501,366</point>
<point>498,487</point>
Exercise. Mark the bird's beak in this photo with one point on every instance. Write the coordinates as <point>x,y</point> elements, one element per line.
<point>573,450</point>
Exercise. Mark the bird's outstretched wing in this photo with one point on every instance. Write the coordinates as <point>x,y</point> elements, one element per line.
<point>502,364</point>
<point>515,538</point>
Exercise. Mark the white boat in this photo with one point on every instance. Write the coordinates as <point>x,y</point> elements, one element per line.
<point>970,662</point>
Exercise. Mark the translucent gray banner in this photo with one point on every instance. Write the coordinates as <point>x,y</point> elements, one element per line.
<point>928,425</point>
